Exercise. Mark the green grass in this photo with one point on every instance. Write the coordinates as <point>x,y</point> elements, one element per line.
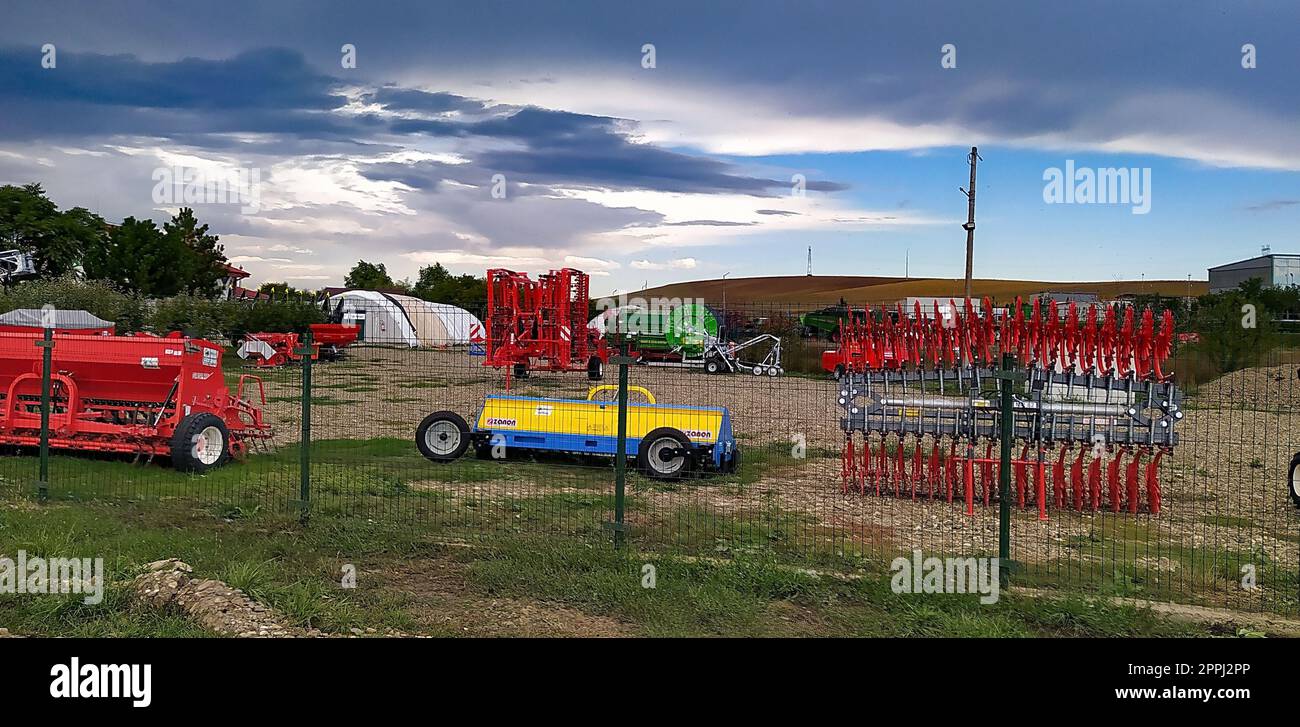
<point>1126,557</point>
<point>753,595</point>
<point>297,571</point>
<point>1228,521</point>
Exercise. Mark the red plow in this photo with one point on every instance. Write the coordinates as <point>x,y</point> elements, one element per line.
<point>1091,423</point>
<point>139,395</point>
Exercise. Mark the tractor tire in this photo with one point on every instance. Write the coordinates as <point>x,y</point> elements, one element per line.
<point>521,371</point>
<point>1293,485</point>
<point>595,369</point>
<point>652,464</point>
<point>443,436</point>
<point>713,366</point>
<point>200,443</point>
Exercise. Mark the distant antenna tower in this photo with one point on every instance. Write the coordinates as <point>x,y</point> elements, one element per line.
<point>1265,249</point>
<point>810,261</point>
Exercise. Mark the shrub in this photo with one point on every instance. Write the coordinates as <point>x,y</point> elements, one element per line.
<point>97,297</point>
<point>272,317</point>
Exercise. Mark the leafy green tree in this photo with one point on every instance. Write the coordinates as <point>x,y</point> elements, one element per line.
<point>58,241</point>
<point>436,284</point>
<point>140,259</point>
<point>368,276</point>
<point>202,265</point>
<point>1235,327</point>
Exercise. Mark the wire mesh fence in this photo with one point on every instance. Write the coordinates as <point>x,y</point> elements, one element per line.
<point>728,449</point>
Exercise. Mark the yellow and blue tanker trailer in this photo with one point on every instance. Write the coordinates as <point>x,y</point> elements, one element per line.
<point>668,441</point>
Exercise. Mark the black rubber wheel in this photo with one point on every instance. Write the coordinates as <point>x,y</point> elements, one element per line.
<point>201,442</point>
<point>595,369</point>
<point>650,462</point>
<point>839,372</point>
<point>713,366</point>
<point>483,449</point>
<point>521,371</point>
<point>443,436</point>
<point>1292,485</point>
<point>734,465</point>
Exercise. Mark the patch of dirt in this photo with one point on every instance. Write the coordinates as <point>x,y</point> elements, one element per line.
<point>442,601</point>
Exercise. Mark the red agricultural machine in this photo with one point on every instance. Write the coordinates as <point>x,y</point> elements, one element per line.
<point>268,350</point>
<point>141,395</point>
<point>1094,403</point>
<point>541,325</point>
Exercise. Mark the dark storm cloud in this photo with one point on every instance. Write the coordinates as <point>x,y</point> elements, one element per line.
<point>1024,68</point>
<point>393,98</point>
<point>274,93</point>
<point>564,148</point>
<point>264,78</point>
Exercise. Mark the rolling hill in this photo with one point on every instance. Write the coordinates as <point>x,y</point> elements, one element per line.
<point>858,290</point>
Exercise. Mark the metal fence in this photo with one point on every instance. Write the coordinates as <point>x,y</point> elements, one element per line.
<point>1227,533</point>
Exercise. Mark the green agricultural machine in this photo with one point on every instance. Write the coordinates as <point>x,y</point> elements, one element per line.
<point>825,322</point>
<point>676,333</point>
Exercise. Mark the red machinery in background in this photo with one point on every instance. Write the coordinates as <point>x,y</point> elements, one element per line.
<point>541,325</point>
<point>268,350</point>
<point>141,395</point>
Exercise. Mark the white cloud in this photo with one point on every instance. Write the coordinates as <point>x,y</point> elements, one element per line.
<point>684,263</point>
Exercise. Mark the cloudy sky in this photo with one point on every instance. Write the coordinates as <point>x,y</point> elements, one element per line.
<point>686,169</point>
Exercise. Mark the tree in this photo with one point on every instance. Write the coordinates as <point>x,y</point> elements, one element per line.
<point>436,284</point>
<point>202,265</point>
<point>1235,329</point>
<point>139,258</point>
<point>57,241</point>
<point>368,276</point>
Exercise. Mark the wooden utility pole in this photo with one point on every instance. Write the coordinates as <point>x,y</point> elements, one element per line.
<point>970,218</point>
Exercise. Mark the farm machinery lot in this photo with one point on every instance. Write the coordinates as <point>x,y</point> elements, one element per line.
<point>1222,506</point>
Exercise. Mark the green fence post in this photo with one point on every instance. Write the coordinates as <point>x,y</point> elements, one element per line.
<point>47,355</point>
<point>1007,376</point>
<point>620,457</point>
<point>304,465</point>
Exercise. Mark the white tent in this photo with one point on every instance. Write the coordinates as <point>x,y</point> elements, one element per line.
<point>404,320</point>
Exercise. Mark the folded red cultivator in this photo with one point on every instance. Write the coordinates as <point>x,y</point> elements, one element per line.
<point>1091,422</point>
<point>541,325</point>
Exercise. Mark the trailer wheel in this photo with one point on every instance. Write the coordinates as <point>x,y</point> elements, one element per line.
<point>1292,484</point>
<point>773,371</point>
<point>651,456</point>
<point>595,369</point>
<point>734,465</point>
<point>521,371</point>
<point>442,437</point>
<point>713,366</point>
<point>200,443</point>
<point>839,372</point>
